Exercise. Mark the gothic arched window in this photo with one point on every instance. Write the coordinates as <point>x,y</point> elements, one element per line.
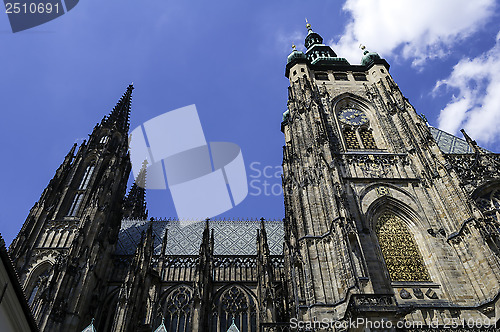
<point>37,287</point>
<point>490,204</point>
<point>356,128</point>
<point>399,249</point>
<point>104,139</point>
<point>177,309</point>
<point>234,303</point>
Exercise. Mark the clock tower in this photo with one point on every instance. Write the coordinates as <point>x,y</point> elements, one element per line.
<point>378,223</point>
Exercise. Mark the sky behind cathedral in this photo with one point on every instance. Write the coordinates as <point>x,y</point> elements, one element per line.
<point>227,57</point>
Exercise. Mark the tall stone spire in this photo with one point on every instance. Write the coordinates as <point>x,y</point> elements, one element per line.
<point>134,206</point>
<point>74,225</point>
<point>119,116</point>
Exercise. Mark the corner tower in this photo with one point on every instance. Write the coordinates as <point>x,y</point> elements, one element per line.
<point>65,244</point>
<point>377,224</point>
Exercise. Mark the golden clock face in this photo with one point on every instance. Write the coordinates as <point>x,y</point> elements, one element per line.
<point>353,117</point>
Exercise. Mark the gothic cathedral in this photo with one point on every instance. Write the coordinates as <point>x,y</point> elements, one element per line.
<point>387,221</point>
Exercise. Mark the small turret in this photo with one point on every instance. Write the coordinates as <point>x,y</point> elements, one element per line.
<point>312,37</point>
<point>368,57</point>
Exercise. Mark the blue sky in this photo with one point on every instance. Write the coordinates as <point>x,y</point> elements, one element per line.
<point>228,58</point>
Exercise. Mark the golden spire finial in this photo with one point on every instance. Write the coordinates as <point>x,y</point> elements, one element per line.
<point>308,26</point>
<point>294,47</point>
<point>361,46</point>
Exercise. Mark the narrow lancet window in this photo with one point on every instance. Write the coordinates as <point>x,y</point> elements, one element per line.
<point>86,177</point>
<point>77,201</point>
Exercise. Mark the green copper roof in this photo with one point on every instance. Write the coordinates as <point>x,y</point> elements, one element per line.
<point>286,114</point>
<point>330,60</point>
<point>369,57</point>
<point>295,55</point>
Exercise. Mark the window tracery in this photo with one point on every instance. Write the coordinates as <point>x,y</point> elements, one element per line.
<point>39,286</point>
<point>235,304</point>
<point>490,204</point>
<point>399,249</point>
<point>177,309</point>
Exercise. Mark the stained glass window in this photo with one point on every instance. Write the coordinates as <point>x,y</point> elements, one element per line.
<point>402,257</point>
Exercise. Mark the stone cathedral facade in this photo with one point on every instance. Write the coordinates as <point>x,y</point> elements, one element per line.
<point>386,219</point>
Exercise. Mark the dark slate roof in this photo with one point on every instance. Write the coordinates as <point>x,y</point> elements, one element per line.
<point>230,237</point>
<point>449,143</point>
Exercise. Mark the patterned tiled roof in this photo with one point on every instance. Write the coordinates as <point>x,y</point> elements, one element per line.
<point>230,237</point>
<point>449,143</point>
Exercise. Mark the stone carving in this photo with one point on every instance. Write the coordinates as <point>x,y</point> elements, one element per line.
<point>375,166</point>
<point>404,294</point>
<point>418,293</point>
<point>430,293</point>
<point>475,169</point>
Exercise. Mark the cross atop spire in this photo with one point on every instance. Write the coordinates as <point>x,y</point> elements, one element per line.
<point>308,25</point>
<point>119,116</point>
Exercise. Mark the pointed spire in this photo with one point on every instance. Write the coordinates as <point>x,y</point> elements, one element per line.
<point>119,116</point>
<point>470,141</point>
<point>312,37</point>
<point>68,159</point>
<point>134,206</point>
<point>162,327</point>
<point>233,327</point>
<point>90,328</point>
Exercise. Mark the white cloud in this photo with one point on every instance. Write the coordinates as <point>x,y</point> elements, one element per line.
<point>417,30</point>
<point>476,105</point>
<point>284,41</point>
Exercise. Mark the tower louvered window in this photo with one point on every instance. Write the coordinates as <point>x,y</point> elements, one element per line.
<point>357,131</point>
<point>351,140</point>
<point>367,139</point>
<point>399,249</point>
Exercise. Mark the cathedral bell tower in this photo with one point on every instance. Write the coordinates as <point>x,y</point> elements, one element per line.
<point>376,223</point>
<point>63,249</point>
